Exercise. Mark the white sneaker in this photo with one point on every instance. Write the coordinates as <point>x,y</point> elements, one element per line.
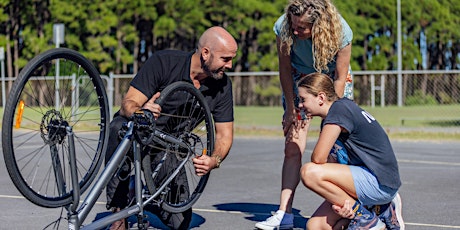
<point>392,216</point>
<point>278,220</point>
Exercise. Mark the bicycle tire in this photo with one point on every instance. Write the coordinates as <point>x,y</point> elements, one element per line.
<point>57,88</point>
<point>189,117</point>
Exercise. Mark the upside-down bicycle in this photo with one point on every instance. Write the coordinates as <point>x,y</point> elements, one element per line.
<point>55,131</point>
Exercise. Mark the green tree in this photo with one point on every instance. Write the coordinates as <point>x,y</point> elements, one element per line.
<point>109,32</point>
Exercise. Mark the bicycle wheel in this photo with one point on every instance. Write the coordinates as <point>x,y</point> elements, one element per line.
<point>186,116</point>
<point>55,90</point>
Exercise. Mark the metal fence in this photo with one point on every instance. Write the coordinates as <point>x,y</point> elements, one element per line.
<point>371,88</point>
<point>430,89</point>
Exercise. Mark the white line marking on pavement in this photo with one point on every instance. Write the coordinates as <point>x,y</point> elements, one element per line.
<point>255,213</point>
<point>430,162</point>
<point>246,213</point>
<point>21,197</point>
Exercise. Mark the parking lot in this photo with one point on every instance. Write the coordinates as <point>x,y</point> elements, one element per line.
<point>246,189</point>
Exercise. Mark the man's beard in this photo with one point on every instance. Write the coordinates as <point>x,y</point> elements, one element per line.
<point>207,69</point>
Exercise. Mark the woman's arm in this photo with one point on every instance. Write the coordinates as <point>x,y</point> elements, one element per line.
<point>341,70</point>
<point>287,85</point>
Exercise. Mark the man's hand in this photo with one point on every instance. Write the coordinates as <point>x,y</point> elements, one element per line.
<point>154,108</point>
<point>204,164</point>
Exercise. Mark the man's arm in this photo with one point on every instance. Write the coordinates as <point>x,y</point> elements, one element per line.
<point>135,100</point>
<point>224,141</point>
<point>132,101</point>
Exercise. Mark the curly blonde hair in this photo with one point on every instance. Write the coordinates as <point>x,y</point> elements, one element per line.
<point>326,29</point>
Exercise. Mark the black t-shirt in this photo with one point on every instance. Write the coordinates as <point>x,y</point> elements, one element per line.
<point>168,66</point>
<point>366,141</point>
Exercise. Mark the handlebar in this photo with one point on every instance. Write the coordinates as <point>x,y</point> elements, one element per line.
<point>143,123</point>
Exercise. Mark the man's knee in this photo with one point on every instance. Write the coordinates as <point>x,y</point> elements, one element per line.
<point>114,139</point>
<point>116,124</point>
<point>181,220</point>
<point>117,187</point>
<point>173,220</point>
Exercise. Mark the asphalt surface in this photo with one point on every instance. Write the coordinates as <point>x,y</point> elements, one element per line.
<point>246,189</point>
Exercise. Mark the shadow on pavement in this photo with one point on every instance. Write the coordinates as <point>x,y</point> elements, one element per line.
<point>260,212</point>
<point>154,221</point>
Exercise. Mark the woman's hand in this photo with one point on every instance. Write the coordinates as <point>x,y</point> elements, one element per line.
<point>292,121</point>
<point>289,119</point>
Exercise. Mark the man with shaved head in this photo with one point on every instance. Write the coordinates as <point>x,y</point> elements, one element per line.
<point>205,69</point>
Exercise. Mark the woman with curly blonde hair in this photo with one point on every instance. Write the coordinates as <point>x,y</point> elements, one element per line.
<point>311,37</point>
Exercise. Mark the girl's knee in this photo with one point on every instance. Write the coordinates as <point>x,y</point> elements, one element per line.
<point>314,223</point>
<point>310,173</point>
<point>310,170</point>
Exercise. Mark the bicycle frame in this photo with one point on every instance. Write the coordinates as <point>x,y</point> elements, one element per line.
<point>77,216</point>
<point>185,129</point>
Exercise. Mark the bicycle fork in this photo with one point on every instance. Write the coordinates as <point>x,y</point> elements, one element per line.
<point>74,177</point>
<point>141,217</point>
<point>76,217</point>
<point>59,175</point>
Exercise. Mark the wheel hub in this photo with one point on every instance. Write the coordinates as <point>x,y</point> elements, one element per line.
<point>53,127</point>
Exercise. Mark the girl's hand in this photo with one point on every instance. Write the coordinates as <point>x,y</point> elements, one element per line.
<point>346,211</point>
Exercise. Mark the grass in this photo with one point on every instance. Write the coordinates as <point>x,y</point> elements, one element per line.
<point>409,122</point>
<point>440,122</point>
